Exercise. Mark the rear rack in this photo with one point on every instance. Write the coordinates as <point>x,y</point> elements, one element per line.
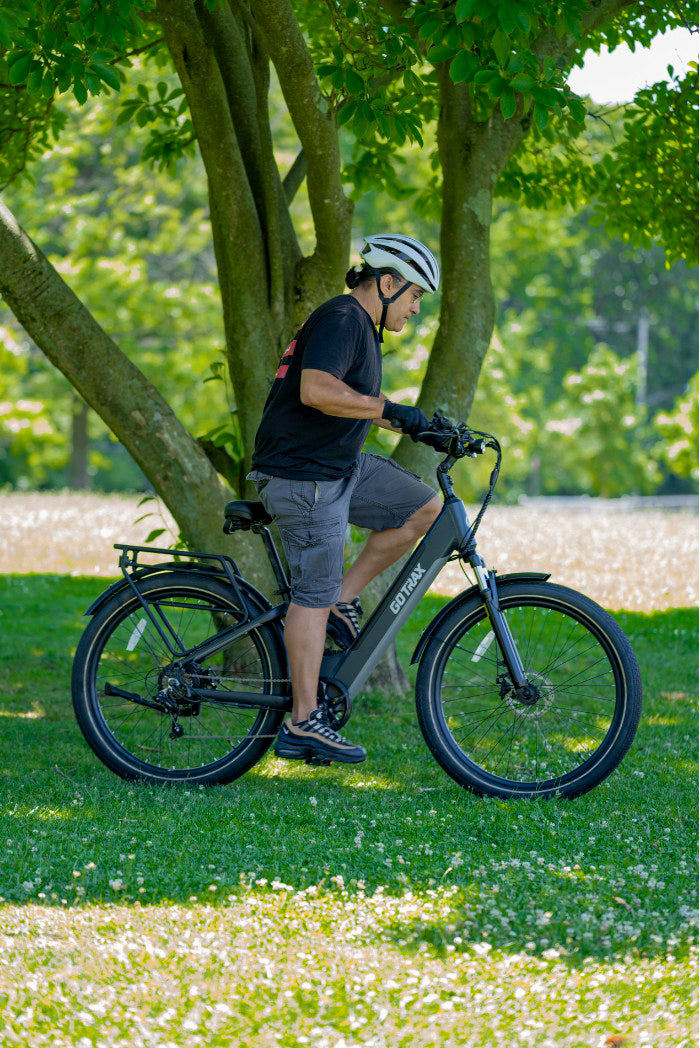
<point>180,560</point>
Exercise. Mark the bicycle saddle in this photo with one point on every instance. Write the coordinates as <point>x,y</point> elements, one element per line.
<point>240,515</point>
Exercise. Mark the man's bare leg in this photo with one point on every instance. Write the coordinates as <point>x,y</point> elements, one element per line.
<point>383,548</point>
<point>305,638</point>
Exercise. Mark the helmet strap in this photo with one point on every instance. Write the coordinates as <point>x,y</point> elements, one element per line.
<point>387,300</point>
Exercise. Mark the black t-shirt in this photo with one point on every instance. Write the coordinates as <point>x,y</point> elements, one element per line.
<point>295,440</point>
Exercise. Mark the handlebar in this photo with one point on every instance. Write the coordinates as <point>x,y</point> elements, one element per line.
<point>459,441</point>
<point>456,439</point>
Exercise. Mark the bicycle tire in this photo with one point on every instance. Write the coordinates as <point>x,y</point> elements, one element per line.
<point>121,649</point>
<point>565,742</point>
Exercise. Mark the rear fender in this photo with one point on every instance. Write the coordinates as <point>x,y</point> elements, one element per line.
<point>464,598</point>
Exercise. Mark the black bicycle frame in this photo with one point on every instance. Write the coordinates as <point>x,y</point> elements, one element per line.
<point>451,533</point>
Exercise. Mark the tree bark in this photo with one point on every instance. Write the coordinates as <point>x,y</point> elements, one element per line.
<point>472,156</point>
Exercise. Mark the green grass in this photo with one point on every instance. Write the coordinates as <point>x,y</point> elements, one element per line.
<point>374,905</point>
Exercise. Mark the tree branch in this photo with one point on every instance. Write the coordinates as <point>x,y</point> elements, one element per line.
<point>222,462</point>
<point>316,127</point>
<point>239,242</point>
<point>294,177</point>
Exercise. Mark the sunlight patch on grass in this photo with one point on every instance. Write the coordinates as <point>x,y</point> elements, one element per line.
<point>34,714</point>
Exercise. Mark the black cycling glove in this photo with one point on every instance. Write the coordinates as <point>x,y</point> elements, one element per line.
<point>410,421</point>
<point>437,441</point>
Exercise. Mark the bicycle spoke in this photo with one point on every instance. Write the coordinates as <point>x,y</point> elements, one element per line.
<point>210,731</point>
<point>545,740</point>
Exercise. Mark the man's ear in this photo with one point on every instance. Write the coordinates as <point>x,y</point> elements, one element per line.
<point>386,283</point>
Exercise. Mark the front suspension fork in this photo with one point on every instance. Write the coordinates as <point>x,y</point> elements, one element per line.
<point>486,581</point>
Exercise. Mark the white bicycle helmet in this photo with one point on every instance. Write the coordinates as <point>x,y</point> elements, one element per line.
<point>408,256</point>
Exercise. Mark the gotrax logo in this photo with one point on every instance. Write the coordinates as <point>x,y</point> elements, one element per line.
<point>408,587</point>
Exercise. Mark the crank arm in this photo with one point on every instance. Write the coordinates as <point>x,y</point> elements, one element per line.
<point>110,689</point>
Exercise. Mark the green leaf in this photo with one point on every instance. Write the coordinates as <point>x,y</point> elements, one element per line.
<point>522,82</point>
<point>354,82</point>
<point>440,53</point>
<point>35,78</point>
<point>346,112</point>
<point>20,68</point>
<point>546,96</point>
<point>497,86</point>
<point>540,116</point>
<point>154,534</point>
<point>578,110</point>
<point>429,28</point>
<point>466,32</point>
<point>524,21</point>
<point>484,76</point>
<point>501,46</point>
<point>508,16</point>
<point>48,87</point>
<point>507,104</point>
<point>464,9</point>
<point>18,56</point>
<point>80,91</point>
<point>463,67</point>
<point>107,74</point>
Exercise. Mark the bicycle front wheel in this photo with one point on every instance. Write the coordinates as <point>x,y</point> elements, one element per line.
<point>574,728</point>
<point>122,665</point>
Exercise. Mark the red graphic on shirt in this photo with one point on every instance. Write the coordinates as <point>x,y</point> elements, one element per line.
<point>284,362</point>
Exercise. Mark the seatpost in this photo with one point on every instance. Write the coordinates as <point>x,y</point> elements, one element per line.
<point>275,562</point>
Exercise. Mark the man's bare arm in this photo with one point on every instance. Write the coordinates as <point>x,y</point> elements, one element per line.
<point>332,396</point>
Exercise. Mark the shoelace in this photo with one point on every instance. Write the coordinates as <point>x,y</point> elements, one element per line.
<point>317,723</point>
<point>352,611</point>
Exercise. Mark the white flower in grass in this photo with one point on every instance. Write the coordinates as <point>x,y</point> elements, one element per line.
<point>117,884</point>
<point>28,886</point>
<point>313,802</point>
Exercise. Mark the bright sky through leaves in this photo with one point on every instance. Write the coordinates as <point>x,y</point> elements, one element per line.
<point>616,76</point>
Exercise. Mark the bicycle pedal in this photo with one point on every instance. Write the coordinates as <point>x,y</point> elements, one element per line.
<point>320,762</point>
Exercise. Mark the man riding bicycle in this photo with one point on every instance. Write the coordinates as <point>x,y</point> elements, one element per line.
<point>313,478</point>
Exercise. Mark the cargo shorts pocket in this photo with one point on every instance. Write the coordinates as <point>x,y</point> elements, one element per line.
<point>304,493</point>
<point>315,557</point>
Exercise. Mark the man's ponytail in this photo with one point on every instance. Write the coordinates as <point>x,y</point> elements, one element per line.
<point>358,275</point>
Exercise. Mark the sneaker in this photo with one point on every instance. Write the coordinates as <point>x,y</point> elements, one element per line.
<point>314,741</point>
<point>344,622</point>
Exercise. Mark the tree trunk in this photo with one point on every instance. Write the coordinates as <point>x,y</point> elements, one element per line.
<point>472,156</point>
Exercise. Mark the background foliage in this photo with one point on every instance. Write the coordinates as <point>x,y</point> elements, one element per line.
<point>564,383</point>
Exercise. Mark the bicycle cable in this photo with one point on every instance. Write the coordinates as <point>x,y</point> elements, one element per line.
<point>491,442</point>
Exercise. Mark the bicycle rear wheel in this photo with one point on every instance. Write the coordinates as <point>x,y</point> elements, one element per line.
<point>566,738</point>
<point>122,663</point>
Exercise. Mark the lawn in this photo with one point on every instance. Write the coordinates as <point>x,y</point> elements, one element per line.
<point>377,905</point>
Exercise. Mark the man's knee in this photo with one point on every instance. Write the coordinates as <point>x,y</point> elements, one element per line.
<point>420,521</point>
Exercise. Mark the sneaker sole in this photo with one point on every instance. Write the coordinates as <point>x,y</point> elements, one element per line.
<point>312,756</point>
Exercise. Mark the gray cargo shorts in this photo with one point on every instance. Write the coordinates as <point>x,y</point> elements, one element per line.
<point>312,516</point>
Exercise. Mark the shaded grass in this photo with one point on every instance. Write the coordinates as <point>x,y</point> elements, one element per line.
<point>389,865</point>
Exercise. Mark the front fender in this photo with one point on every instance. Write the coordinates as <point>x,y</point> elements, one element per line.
<point>464,597</point>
